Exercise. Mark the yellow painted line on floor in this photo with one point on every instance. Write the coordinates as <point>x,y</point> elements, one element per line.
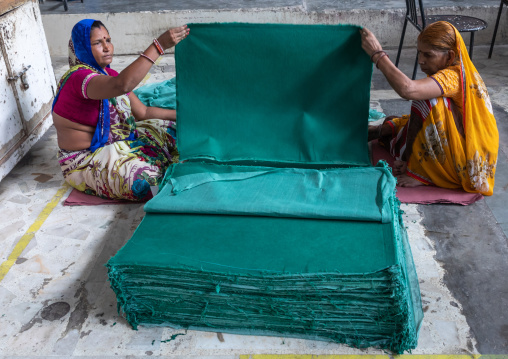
<point>311,356</point>
<point>148,75</point>
<point>30,233</point>
<point>145,79</point>
<point>360,356</point>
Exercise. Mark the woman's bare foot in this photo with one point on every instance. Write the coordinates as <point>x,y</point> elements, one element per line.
<point>404,180</point>
<point>399,167</point>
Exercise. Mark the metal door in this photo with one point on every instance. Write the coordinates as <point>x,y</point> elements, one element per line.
<point>11,127</point>
<point>28,62</point>
<point>27,82</point>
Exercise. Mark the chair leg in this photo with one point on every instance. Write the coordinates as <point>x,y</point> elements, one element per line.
<point>471,43</point>
<point>416,67</point>
<point>401,42</point>
<point>495,29</point>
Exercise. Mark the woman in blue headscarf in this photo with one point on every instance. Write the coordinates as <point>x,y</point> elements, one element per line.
<point>111,144</point>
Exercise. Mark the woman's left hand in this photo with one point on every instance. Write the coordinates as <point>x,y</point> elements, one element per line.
<point>173,36</point>
<point>369,42</point>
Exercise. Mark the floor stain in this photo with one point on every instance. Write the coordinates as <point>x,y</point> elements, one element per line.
<point>453,304</point>
<point>30,324</point>
<point>55,311</point>
<point>21,260</point>
<point>34,320</point>
<point>64,271</point>
<point>80,312</point>
<point>220,337</point>
<point>35,292</point>
<point>84,334</point>
<point>504,331</point>
<point>42,177</point>
<point>42,267</point>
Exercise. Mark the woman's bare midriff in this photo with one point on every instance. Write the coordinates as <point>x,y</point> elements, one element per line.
<point>72,136</point>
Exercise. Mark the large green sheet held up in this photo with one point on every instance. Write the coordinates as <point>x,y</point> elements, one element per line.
<point>275,93</point>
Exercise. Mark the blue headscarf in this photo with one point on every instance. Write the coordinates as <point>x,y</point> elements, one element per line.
<point>83,49</point>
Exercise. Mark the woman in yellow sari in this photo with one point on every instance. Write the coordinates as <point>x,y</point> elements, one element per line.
<point>450,139</point>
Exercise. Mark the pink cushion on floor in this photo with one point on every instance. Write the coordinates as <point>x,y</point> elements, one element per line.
<point>77,198</point>
<point>424,194</point>
<point>420,195</point>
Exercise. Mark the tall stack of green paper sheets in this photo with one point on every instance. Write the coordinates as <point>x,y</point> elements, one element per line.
<point>274,222</point>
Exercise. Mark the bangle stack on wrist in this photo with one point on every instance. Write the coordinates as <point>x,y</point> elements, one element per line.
<point>379,58</point>
<point>158,46</point>
<point>374,54</point>
<point>382,54</point>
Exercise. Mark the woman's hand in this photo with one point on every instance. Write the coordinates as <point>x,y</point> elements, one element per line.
<point>173,36</point>
<point>105,87</point>
<point>369,42</point>
<point>142,112</point>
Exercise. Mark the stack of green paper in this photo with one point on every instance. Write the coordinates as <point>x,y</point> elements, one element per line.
<point>274,223</point>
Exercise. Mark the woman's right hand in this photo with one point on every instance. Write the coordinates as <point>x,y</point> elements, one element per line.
<point>173,36</point>
<point>369,42</point>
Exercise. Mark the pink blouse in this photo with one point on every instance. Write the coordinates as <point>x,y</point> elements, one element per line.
<point>73,104</point>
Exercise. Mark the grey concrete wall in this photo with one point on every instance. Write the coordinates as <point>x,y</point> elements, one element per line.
<point>133,32</point>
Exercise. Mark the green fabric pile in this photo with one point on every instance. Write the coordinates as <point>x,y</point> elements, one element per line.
<point>159,94</point>
<point>274,223</point>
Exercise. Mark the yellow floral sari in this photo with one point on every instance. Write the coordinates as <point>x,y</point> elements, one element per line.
<point>429,140</point>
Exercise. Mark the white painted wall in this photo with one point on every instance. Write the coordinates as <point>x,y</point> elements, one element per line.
<point>133,32</point>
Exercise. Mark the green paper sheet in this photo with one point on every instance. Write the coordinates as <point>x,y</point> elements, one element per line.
<point>351,282</point>
<point>160,94</point>
<point>283,192</point>
<point>253,245</point>
<point>275,223</point>
<point>274,93</point>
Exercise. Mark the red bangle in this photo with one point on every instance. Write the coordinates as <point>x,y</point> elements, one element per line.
<point>158,46</point>
<point>380,57</point>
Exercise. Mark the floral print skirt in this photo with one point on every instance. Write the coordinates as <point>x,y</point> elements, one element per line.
<point>429,139</point>
<point>123,169</point>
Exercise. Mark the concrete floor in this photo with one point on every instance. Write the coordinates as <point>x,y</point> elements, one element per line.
<point>56,301</point>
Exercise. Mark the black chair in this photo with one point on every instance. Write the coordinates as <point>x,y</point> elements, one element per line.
<point>66,7</point>
<point>461,23</point>
<point>497,24</point>
<point>65,3</point>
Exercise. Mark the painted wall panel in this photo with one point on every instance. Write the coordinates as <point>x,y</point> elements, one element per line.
<point>26,51</point>
<point>11,128</point>
<point>27,82</point>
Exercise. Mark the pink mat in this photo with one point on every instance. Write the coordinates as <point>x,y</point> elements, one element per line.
<point>424,194</point>
<point>420,195</point>
<point>77,198</point>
